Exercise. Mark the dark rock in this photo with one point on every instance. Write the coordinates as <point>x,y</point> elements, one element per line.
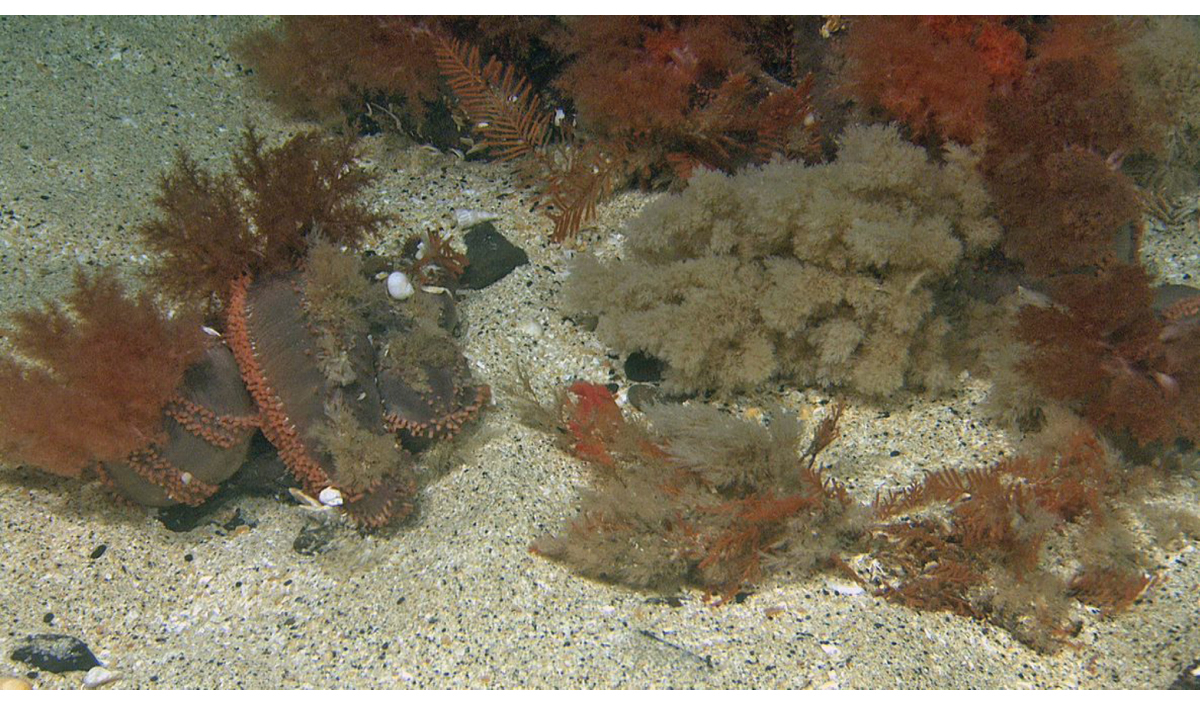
<point>491,257</point>
<point>642,367</point>
<point>587,322</point>
<point>182,518</point>
<point>1189,679</point>
<point>237,520</point>
<point>56,653</point>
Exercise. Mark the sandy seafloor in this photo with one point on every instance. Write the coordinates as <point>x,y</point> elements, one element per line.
<point>92,111</point>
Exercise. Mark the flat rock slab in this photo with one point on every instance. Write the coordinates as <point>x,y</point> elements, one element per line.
<point>56,653</point>
<point>491,257</point>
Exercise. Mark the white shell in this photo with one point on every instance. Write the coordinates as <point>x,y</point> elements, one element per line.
<point>98,676</point>
<point>844,589</point>
<point>531,328</point>
<point>466,217</point>
<point>330,497</point>
<point>398,286</point>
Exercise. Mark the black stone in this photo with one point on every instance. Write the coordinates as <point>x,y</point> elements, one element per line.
<point>98,551</point>
<point>56,653</point>
<point>490,255</point>
<point>182,517</point>
<point>1189,679</point>
<point>641,367</point>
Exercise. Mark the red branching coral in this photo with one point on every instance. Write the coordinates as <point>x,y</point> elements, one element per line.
<point>212,229</point>
<point>987,561</point>
<point>1066,212</point>
<point>105,365</point>
<point>594,419</point>
<point>936,74</point>
<point>1055,146</point>
<point>322,66</point>
<point>634,76</point>
<point>309,180</point>
<point>689,89</point>
<point>1101,348</point>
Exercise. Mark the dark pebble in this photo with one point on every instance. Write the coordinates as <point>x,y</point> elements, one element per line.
<point>238,520</point>
<point>1189,679</point>
<point>48,618</point>
<point>56,653</point>
<point>491,257</point>
<point>183,517</point>
<point>641,367</point>
<point>98,551</point>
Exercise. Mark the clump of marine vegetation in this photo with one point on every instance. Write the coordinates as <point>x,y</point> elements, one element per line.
<point>302,342</point>
<point>689,495</point>
<point>866,207</point>
<point>818,275</point>
<point>581,107</point>
<point>977,215</point>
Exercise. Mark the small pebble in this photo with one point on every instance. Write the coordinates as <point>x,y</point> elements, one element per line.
<point>14,683</point>
<point>99,676</point>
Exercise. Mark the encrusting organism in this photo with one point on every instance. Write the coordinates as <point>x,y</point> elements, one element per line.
<point>347,382</point>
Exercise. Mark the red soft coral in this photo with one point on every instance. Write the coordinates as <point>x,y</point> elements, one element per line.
<point>1054,149</point>
<point>210,230</point>
<point>683,92</point>
<point>321,66</point>
<point>937,73</point>
<point>1101,348</point>
<point>106,364</point>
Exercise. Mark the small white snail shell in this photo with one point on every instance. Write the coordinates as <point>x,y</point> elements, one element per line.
<point>398,286</point>
<point>330,497</point>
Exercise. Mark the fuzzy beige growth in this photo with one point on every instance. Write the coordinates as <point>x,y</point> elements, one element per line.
<point>360,455</point>
<point>823,275</point>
